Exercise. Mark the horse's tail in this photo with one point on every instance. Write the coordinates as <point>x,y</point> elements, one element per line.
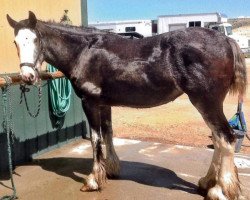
<point>239,84</point>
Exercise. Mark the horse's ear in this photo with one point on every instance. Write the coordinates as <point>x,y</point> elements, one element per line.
<point>32,20</point>
<point>11,21</point>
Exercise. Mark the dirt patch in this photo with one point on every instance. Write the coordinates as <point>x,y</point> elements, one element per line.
<point>176,123</point>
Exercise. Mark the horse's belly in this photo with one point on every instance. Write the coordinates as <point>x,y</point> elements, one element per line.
<point>139,97</point>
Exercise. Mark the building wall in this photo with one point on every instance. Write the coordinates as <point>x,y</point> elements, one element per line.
<point>44,10</point>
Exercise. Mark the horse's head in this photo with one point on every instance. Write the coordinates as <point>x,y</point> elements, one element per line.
<point>29,47</point>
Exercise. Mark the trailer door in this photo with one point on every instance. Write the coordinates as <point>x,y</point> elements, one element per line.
<point>174,27</point>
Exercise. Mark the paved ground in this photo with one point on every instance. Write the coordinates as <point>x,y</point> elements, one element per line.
<point>149,171</point>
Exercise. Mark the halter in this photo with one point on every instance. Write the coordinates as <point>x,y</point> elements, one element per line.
<point>32,65</point>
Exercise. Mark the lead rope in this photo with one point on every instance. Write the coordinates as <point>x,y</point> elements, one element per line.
<point>24,89</point>
<point>8,128</point>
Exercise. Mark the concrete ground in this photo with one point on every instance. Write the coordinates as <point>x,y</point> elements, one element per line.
<point>148,171</point>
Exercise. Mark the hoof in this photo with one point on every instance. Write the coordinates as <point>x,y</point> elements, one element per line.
<point>202,189</point>
<point>90,185</point>
<point>86,188</point>
<point>204,185</point>
<point>202,192</point>
<point>216,193</point>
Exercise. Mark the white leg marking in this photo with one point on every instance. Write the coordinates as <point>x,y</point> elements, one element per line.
<point>216,193</point>
<point>94,136</point>
<point>91,182</point>
<point>228,177</point>
<point>227,162</point>
<point>212,174</point>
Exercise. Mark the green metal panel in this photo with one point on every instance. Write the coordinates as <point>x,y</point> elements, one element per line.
<point>34,136</point>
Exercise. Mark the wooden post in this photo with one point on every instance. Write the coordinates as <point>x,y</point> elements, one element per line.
<point>16,79</point>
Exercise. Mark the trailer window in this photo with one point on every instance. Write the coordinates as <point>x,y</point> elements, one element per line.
<point>195,24</point>
<point>154,27</point>
<point>130,29</point>
<point>229,30</point>
<point>221,29</point>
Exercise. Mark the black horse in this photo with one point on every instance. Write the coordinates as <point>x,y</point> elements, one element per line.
<point>108,70</point>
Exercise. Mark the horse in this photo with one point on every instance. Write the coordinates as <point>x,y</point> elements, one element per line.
<point>108,70</point>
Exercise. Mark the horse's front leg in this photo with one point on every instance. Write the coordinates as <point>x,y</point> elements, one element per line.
<point>98,176</point>
<point>112,160</point>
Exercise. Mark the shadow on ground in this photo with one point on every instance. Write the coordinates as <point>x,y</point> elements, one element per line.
<point>141,173</point>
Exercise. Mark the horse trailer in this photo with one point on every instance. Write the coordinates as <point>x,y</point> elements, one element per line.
<point>168,23</point>
<point>143,27</point>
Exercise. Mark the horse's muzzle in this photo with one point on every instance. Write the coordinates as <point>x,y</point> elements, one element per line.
<point>29,78</point>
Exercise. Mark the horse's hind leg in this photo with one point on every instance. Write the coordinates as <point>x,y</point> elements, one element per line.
<point>209,180</point>
<point>112,160</point>
<point>221,181</point>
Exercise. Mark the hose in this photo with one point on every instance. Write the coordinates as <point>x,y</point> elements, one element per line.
<point>59,94</point>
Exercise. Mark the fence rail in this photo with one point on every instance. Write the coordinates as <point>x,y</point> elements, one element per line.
<point>16,79</point>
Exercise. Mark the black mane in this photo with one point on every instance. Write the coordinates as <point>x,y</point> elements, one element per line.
<point>71,29</point>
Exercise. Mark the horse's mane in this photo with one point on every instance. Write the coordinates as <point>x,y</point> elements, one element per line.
<point>73,30</point>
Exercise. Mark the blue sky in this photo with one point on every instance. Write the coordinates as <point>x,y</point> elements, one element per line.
<point>112,10</point>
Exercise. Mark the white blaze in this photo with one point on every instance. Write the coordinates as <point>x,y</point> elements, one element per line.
<point>25,40</point>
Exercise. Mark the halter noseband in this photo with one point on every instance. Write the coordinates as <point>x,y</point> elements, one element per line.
<point>32,65</point>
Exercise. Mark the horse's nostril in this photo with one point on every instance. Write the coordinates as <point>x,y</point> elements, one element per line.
<point>32,76</point>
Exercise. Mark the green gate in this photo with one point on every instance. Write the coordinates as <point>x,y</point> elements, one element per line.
<point>34,136</point>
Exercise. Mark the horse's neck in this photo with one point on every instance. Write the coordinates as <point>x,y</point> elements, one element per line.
<point>60,50</point>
